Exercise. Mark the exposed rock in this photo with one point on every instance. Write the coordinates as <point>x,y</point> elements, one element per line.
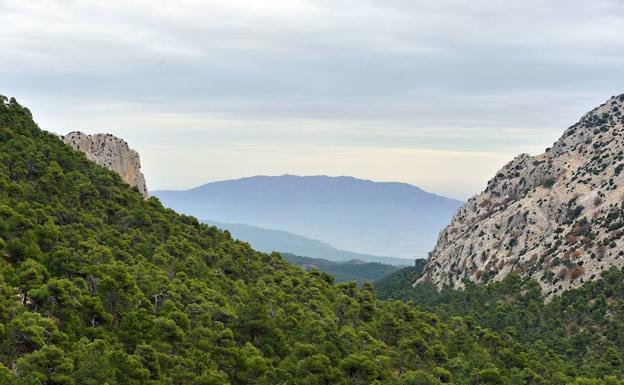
<point>557,217</point>
<point>111,152</point>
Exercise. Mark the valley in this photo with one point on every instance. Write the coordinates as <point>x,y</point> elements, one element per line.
<point>311,192</point>
<point>101,285</point>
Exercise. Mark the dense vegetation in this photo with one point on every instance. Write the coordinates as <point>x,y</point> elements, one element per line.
<point>355,270</point>
<point>101,287</point>
<point>584,325</point>
<point>398,284</point>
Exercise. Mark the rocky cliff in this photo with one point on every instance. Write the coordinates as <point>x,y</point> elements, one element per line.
<point>111,152</point>
<point>557,217</point>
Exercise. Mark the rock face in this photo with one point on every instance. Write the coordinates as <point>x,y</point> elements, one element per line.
<point>557,217</point>
<point>111,152</point>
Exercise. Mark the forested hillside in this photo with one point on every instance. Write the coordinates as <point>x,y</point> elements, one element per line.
<point>398,284</point>
<point>101,287</point>
<point>584,325</point>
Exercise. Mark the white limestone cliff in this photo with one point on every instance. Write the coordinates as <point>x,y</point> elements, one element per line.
<point>111,152</point>
<point>557,217</point>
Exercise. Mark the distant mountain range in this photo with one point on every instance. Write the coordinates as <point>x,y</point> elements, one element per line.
<point>282,241</point>
<point>366,217</point>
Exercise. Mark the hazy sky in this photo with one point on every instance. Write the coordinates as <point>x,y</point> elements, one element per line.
<point>437,93</point>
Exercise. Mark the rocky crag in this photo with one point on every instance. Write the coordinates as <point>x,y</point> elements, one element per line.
<point>557,217</point>
<point>111,152</point>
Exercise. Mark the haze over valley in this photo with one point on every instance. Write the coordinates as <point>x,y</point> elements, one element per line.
<point>385,219</point>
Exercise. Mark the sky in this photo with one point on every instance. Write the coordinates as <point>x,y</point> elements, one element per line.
<point>436,93</point>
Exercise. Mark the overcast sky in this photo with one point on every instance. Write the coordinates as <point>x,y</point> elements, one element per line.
<point>437,93</point>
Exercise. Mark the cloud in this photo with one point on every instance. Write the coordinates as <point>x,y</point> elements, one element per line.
<point>445,76</point>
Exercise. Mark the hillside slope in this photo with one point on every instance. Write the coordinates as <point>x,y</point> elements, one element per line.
<point>389,219</point>
<point>99,286</point>
<point>557,217</point>
<point>268,240</point>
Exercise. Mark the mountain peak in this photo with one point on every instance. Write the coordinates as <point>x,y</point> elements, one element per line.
<point>557,217</point>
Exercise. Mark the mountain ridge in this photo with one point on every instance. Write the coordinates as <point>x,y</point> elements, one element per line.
<point>298,177</point>
<point>555,217</point>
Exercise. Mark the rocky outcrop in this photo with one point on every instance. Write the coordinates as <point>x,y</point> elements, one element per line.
<point>557,217</point>
<point>111,152</point>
